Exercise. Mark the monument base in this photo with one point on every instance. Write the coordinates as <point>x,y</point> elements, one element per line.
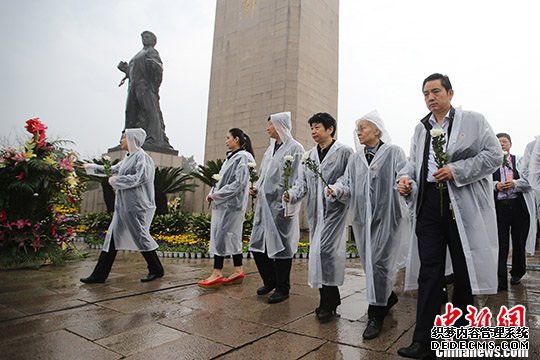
<point>93,198</point>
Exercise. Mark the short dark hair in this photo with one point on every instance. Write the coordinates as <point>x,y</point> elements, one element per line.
<point>500,135</point>
<point>325,119</point>
<point>445,81</point>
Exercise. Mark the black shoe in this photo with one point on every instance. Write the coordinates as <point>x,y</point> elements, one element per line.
<point>373,328</point>
<point>92,280</point>
<point>151,277</point>
<point>325,315</point>
<point>416,350</point>
<point>263,290</point>
<point>515,280</point>
<point>277,297</point>
<point>392,300</point>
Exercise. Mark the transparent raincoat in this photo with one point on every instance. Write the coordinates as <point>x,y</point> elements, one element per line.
<point>327,219</point>
<point>534,165</point>
<point>134,206</point>
<point>380,217</point>
<point>529,195</point>
<point>474,153</point>
<point>274,232</point>
<point>230,199</point>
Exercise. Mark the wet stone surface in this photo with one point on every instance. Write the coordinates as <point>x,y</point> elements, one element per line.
<point>48,314</point>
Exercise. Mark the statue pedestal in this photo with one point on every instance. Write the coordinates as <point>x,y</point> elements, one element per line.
<point>93,197</point>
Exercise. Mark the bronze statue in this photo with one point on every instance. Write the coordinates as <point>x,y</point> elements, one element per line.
<point>145,72</point>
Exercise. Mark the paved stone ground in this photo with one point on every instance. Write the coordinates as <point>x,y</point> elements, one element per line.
<point>49,314</point>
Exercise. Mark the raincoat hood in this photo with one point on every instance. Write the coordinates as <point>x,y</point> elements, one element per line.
<point>135,139</point>
<point>375,118</point>
<point>282,124</point>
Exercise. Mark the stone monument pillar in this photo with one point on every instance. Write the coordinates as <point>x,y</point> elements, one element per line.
<point>271,56</point>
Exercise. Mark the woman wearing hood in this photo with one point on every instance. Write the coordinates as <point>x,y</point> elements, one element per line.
<point>380,217</point>
<point>134,207</point>
<point>229,199</point>
<point>276,226</point>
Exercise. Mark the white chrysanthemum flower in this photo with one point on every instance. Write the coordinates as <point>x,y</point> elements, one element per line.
<point>288,158</point>
<point>106,158</point>
<point>216,177</point>
<point>305,157</point>
<point>436,132</point>
<point>251,165</point>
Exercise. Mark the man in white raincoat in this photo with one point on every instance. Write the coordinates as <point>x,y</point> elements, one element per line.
<point>134,206</point>
<point>460,215</point>
<point>276,227</point>
<point>380,217</point>
<point>327,219</point>
<point>516,215</point>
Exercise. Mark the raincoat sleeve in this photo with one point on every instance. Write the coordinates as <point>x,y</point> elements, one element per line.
<point>484,163</point>
<point>299,190</point>
<point>522,184</point>
<point>99,170</point>
<point>341,188</point>
<point>534,165</point>
<point>139,177</point>
<point>232,189</point>
<point>409,168</point>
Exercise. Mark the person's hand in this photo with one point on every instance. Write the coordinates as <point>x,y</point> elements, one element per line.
<point>509,185</point>
<point>112,180</point>
<point>209,200</point>
<point>330,192</point>
<point>253,192</point>
<point>500,186</point>
<point>123,66</point>
<point>443,174</point>
<point>404,186</point>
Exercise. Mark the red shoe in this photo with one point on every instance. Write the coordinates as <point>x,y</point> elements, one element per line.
<point>211,284</point>
<point>238,279</point>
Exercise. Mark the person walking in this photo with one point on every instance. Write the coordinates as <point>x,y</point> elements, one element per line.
<point>448,181</point>
<point>323,164</point>
<point>276,226</point>
<point>229,199</point>
<point>134,207</point>
<point>380,217</point>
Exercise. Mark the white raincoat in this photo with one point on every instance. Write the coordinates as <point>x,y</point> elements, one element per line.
<point>327,219</point>
<point>134,206</point>
<point>529,195</point>
<point>230,199</point>
<point>274,232</point>
<point>380,217</point>
<point>474,153</point>
<point>534,165</point>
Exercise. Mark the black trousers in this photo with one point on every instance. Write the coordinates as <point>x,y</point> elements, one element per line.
<point>218,261</point>
<point>330,297</point>
<point>512,218</point>
<point>274,272</point>
<point>435,232</point>
<point>106,260</point>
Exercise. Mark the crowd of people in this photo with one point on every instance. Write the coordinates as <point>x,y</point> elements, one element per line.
<point>453,205</point>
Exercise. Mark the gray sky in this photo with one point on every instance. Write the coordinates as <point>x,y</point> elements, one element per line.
<point>60,60</point>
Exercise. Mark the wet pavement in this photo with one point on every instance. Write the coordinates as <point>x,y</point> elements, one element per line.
<point>49,314</point>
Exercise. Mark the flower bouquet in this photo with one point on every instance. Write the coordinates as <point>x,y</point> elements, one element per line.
<point>438,141</point>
